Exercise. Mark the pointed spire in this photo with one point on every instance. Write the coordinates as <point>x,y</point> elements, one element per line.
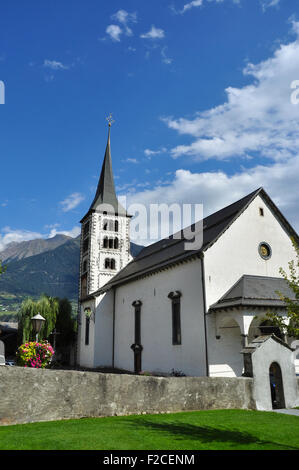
<point>105,193</point>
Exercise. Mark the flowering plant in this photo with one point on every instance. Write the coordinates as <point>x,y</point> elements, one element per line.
<point>33,354</point>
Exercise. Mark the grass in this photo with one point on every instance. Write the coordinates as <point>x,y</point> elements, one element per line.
<point>198,430</point>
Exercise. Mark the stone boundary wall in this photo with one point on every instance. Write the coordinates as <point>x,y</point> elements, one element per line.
<point>29,395</point>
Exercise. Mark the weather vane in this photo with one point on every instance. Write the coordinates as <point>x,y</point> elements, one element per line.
<point>110,120</point>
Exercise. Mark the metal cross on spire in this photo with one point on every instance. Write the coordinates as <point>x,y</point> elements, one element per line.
<point>110,120</point>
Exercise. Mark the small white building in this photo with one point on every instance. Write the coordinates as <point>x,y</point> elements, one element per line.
<point>175,310</point>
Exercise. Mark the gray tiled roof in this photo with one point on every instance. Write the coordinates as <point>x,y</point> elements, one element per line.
<point>169,251</point>
<point>258,291</point>
<point>260,340</point>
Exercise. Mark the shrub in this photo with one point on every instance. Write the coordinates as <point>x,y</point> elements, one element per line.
<point>33,354</point>
<point>177,373</point>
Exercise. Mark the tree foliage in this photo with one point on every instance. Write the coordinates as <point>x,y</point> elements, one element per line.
<point>65,324</point>
<point>2,268</point>
<point>47,307</point>
<point>290,323</point>
<point>58,315</point>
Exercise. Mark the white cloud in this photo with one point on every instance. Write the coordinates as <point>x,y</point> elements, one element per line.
<point>55,65</point>
<point>122,16</point>
<point>124,19</point>
<point>215,190</point>
<point>269,3</point>
<point>149,153</point>
<point>131,160</point>
<point>153,33</point>
<point>256,119</point>
<point>72,201</point>
<point>11,235</point>
<point>74,232</point>
<point>165,59</point>
<point>114,31</point>
<point>188,6</point>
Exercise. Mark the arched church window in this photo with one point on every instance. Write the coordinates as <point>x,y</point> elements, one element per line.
<point>84,267</point>
<point>111,242</point>
<point>116,243</point>
<point>112,264</point>
<point>175,298</point>
<point>116,225</point>
<point>105,242</point>
<point>105,224</point>
<point>84,285</point>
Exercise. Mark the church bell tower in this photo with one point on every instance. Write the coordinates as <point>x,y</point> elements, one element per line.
<point>105,233</point>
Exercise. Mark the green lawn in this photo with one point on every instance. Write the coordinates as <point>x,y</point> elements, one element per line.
<point>209,430</point>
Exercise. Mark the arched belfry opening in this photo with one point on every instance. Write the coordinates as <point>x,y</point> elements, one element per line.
<point>276,386</point>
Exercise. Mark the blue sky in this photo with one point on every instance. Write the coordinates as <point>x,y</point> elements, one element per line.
<point>199,90</point>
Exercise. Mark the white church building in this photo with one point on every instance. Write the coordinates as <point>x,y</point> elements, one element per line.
<point>174,310</point>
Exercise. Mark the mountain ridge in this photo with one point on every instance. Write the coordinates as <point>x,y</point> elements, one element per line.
<point>54,271</point>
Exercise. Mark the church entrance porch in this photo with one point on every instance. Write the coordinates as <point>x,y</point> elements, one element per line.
<point>242,313</point>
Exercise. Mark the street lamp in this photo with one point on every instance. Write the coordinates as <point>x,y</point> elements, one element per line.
<point>37,322</point>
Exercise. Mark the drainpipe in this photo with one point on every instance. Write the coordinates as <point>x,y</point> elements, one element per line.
<point>113,328</point>
<point>205,312</point>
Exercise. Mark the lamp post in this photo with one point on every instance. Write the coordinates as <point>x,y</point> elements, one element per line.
<point>37,322</point>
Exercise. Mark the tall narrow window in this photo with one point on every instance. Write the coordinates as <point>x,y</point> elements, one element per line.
<point>112,264</point>
<point>87,322</point>
<point>86,229</point>
<point>84,266</point>
<point>105,224</point>
<point>116,226</point>
<point>116,244</point>
<point>175,298</point>
<point>85,245</point>
<point>137,328</point>
<point>105,242</point>
<point>84,285</point>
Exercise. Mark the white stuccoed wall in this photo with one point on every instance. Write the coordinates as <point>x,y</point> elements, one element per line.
<point>156,321</point>
<point>262,359</point>
<point>104,330</point>
<point>86,352</point>
<point>236,253</point>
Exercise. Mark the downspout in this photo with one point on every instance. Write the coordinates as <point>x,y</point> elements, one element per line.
<point>113,328</point>
<point>205,312</point>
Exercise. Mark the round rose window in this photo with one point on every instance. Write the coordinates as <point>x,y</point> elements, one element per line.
<point>265,250</point>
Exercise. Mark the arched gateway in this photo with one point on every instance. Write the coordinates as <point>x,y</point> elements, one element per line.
<point>276,386</point>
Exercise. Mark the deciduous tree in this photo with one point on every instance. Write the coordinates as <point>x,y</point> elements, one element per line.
<point>290,323</point>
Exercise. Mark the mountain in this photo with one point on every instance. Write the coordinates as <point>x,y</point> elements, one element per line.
<point>54,270</point>
<point>19,250</point>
